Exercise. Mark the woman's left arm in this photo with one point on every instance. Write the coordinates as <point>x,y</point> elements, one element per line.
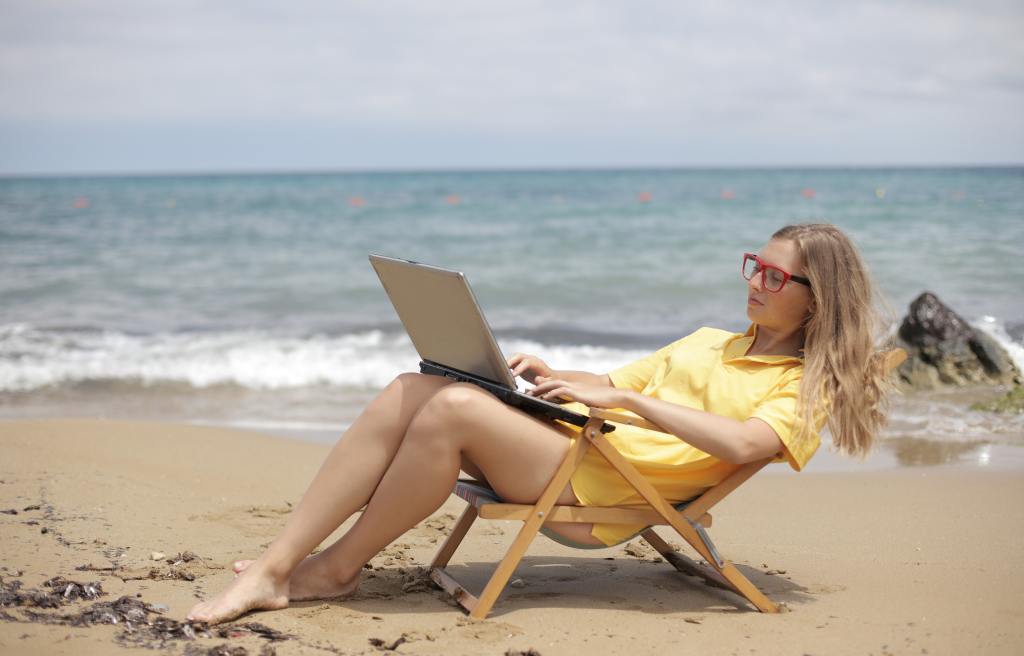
<point>726,438</point>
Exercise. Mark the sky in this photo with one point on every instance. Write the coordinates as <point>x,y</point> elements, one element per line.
<point>126,86</point>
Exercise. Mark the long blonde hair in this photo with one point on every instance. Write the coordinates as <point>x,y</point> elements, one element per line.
<point>843,368</point>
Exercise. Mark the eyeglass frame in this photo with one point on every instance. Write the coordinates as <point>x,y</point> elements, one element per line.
<point>786,275</point>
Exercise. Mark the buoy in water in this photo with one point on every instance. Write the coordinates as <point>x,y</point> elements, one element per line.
<point>644,197</point>
<point>453,199</point>
<point>880,193</point>
<point>356,201</point>
<point>727,194</point>
<point>81,203</point>
<point>807,193</point>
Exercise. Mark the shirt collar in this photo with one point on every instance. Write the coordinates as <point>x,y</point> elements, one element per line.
<point>736,349</point>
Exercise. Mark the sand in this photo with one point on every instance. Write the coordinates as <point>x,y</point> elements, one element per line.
<point>918,560</point>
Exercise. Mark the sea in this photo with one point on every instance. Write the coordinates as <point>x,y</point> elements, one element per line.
<point>247,300</point>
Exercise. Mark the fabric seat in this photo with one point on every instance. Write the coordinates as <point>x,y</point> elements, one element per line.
<point>479,495</point>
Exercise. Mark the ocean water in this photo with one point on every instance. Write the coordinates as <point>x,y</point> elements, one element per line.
<point>248,299</point>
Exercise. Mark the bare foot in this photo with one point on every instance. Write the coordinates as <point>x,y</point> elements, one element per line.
<point>252,591</point>
<point>312,579</point>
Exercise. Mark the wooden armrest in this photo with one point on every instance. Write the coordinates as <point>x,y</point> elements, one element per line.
<point>894,358</point>
<point>629,420</point>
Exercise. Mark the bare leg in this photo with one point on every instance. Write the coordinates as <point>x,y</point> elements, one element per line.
<point>344,483</point>
<point>516,452</point>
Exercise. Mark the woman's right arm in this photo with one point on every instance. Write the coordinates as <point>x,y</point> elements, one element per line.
<point>530,366</point>
<point>584,377</point>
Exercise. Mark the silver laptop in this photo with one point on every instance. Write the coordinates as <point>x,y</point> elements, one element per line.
<point>449,331</point>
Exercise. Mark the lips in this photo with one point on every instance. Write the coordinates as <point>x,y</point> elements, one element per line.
<point>753,301</point>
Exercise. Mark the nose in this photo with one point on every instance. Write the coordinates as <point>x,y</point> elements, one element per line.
<point>755,282</point>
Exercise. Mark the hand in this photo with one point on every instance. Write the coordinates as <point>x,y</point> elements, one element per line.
<point>594,396</point>
<point>528,367</point>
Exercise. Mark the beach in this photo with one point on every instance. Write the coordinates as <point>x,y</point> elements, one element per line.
<point>892,560</point>
<point>180,352</point>
<point>194,208</point>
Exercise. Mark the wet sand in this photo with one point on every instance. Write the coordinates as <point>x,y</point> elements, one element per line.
<point>899,560</point>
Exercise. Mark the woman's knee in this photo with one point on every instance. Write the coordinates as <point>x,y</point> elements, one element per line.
<point>453,406</point>
<point>412,380</point>
<point>399,401</point>
<point>411,390</point>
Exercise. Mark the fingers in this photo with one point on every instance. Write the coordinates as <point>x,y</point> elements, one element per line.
<point>522,364</point>
<point>540,384</point>
<point>546,386</point>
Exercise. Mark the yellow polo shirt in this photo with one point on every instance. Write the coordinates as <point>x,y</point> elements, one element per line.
<point>707,370</point>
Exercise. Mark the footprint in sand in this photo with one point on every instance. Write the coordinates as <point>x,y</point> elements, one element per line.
<point>823,588</point>
<point>250,521</point>
<point>184,566</point>
<point>489,630</point>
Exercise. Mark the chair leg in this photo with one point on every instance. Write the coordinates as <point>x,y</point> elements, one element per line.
<point>684,564</point>
<point>454,539</point>
<point>694,535</point>
<point>531,526</point>
<point>727,578</point>
<point>505,569</point>
<point>748,589</point>
<point>480,607</point>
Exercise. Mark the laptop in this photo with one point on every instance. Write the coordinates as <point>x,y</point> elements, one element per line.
<point>451,335</point>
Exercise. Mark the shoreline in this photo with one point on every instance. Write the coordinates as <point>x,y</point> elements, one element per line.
<point>926,428</point>
<point>878,562</point>
<point>890,453</point>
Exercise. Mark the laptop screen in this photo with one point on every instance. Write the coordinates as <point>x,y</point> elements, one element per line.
<point>443,319</point>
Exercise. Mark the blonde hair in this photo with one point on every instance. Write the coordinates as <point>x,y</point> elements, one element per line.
<point>843,369</point>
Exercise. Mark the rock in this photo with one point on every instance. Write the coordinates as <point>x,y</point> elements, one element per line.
<point>944,350</point>
<point>156,555</point>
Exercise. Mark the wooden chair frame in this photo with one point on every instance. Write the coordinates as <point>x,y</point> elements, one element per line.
<point>690,522</point>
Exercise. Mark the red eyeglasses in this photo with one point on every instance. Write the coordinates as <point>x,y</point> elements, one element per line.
<point>772,277</point>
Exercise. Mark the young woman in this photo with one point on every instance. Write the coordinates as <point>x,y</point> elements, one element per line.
<point>726,398</point>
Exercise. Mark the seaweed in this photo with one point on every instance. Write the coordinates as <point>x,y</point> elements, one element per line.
<point>142,624</point>
<point>62,591</point>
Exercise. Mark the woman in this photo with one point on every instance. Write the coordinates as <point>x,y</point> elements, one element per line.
<point>730,398</point>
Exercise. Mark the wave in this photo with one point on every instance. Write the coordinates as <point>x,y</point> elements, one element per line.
<point>997,331</point>
<point>33,358</point>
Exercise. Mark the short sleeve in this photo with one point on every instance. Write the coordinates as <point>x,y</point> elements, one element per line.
<point>778,410</point>
<point>636,375</point>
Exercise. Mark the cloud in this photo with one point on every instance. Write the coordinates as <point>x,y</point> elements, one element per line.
<point>519,68</point>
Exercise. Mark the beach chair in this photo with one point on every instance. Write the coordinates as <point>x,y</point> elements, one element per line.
<point>690,519</point>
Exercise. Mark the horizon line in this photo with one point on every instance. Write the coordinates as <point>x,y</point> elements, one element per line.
<point>232,172</point>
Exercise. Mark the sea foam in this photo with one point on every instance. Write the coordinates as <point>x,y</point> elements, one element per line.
<point>32,358</point>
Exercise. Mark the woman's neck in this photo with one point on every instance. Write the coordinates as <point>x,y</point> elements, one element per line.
<point>775,342</point>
